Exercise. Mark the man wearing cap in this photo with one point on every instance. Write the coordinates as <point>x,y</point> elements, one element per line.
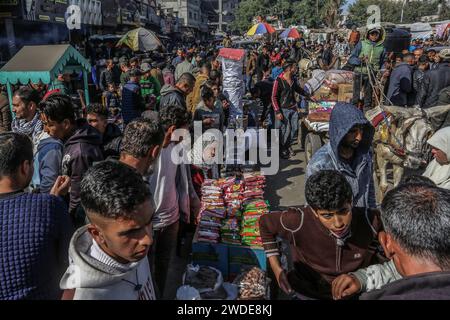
<point>132,102</point>
<point>367,57</point>
<point>150,87</point>
<point>434,81</point>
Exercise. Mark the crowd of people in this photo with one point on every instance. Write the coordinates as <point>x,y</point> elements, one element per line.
<point>93,207</point>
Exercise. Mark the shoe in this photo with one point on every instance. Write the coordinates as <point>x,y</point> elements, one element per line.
<point>291,152</point>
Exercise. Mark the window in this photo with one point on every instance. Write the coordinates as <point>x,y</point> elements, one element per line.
<point>190,15</point>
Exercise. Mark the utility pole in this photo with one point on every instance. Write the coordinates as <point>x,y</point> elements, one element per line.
<point>220,15</point>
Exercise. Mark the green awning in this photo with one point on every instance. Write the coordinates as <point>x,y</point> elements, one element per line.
<point>44,63</point>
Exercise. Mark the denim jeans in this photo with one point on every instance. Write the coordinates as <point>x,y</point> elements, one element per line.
<point>163,250</point>
<point>248,82</point>
<point>288,128</point>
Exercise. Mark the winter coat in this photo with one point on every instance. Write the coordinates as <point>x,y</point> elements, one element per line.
<point>432,84</point>
<point>283,94</point>
<point>47,164</point>
<point>183,67</point>
<point>360,175</point>
<point>318,256</point>
<point>106,77</point>
<point>112,139</point>
<point>194,98</point>
<point>375,52</point>
<point>170,96</point>
<point>132,102</point>
<point>36,231</point>
<point>81,151</point>
<point>440,174</point>
<point>99,277</point>
<point>400,85</point>
<point>425,286</point>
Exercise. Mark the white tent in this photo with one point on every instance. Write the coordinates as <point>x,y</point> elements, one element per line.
<point>421,30</point>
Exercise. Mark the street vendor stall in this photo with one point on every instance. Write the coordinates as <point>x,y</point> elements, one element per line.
<point>34,64</point>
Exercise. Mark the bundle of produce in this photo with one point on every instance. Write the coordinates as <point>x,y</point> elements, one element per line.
<point>252,284</point>
<point>230,231</point>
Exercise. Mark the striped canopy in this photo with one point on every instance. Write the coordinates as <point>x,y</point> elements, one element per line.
<point>260,28</point>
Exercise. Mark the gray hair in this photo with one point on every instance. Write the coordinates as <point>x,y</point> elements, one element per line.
<point>417,216</point>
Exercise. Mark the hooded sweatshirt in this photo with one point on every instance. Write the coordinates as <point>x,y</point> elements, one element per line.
<point>374,51</point>
<point>440,174</point>
<point>359,172</point>
<point>47,163</point>
<point>96,276</point>
<point>171,95</point>
<point>81,150</point>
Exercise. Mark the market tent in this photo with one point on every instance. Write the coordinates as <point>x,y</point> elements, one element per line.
<point>140,39</point>
<point>43,63</point>
<point>420,30</point>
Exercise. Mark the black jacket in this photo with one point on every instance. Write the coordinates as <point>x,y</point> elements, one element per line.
<point>171,96</point>
<point>426,286</point>
<point>262,62</point>
<point>112,139</point>
<point>283,94</point>
<point>81,150</point>
<point>433,82</point>
<point>106,77</point>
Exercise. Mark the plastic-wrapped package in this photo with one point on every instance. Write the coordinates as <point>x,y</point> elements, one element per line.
<point>207,280</point>
<point>233,82</point>
<point>252,284</point>
<point>336,77</point>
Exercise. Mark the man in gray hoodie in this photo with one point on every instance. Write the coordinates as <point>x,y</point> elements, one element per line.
<point>348,152</point>
<point>108,257</point>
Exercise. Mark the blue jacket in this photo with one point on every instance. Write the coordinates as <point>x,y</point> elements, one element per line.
<point>400,85</point>
<point>132,103</point>
<point>47,164</point>
<point>34,244</point>
<point>343,117</point>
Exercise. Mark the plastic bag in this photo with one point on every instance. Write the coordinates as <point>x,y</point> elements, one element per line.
<point>207,280</point>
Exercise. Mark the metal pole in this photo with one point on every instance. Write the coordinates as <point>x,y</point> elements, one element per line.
<point>10,97</point>
<point>403,6</point>
<point>220,15</point>
<point>86,89</point>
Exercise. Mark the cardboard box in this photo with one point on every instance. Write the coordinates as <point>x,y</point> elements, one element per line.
<point>210,254</point>
<point>240,257</point>
<point>345,93</point>
<point>324,93</point>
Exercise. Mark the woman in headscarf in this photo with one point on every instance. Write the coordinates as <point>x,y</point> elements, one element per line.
<point>439,169</point>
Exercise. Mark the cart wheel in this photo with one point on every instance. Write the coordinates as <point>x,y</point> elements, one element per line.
<point>312,144</point>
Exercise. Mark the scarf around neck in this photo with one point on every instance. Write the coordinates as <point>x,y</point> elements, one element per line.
<point>30,128</point>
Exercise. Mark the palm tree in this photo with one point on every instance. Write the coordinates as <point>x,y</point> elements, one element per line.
<point>330,12</point>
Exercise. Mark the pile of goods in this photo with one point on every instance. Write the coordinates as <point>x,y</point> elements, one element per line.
<point>212,211</point>
<point>252,284</point>
<point>231,209</point>
<point>337,85</point>
<point>208,281</point>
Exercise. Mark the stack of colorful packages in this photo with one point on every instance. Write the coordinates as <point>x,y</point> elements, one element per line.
<point>212,211</point>
<point>230,231</point>
<point>254,207</point>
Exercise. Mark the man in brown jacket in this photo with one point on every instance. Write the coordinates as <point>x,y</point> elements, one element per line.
<point>5,112</point>
<point>194,98</point>
<point>327,238</point>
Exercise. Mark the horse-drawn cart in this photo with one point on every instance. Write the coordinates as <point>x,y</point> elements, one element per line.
<point>328,88</point>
